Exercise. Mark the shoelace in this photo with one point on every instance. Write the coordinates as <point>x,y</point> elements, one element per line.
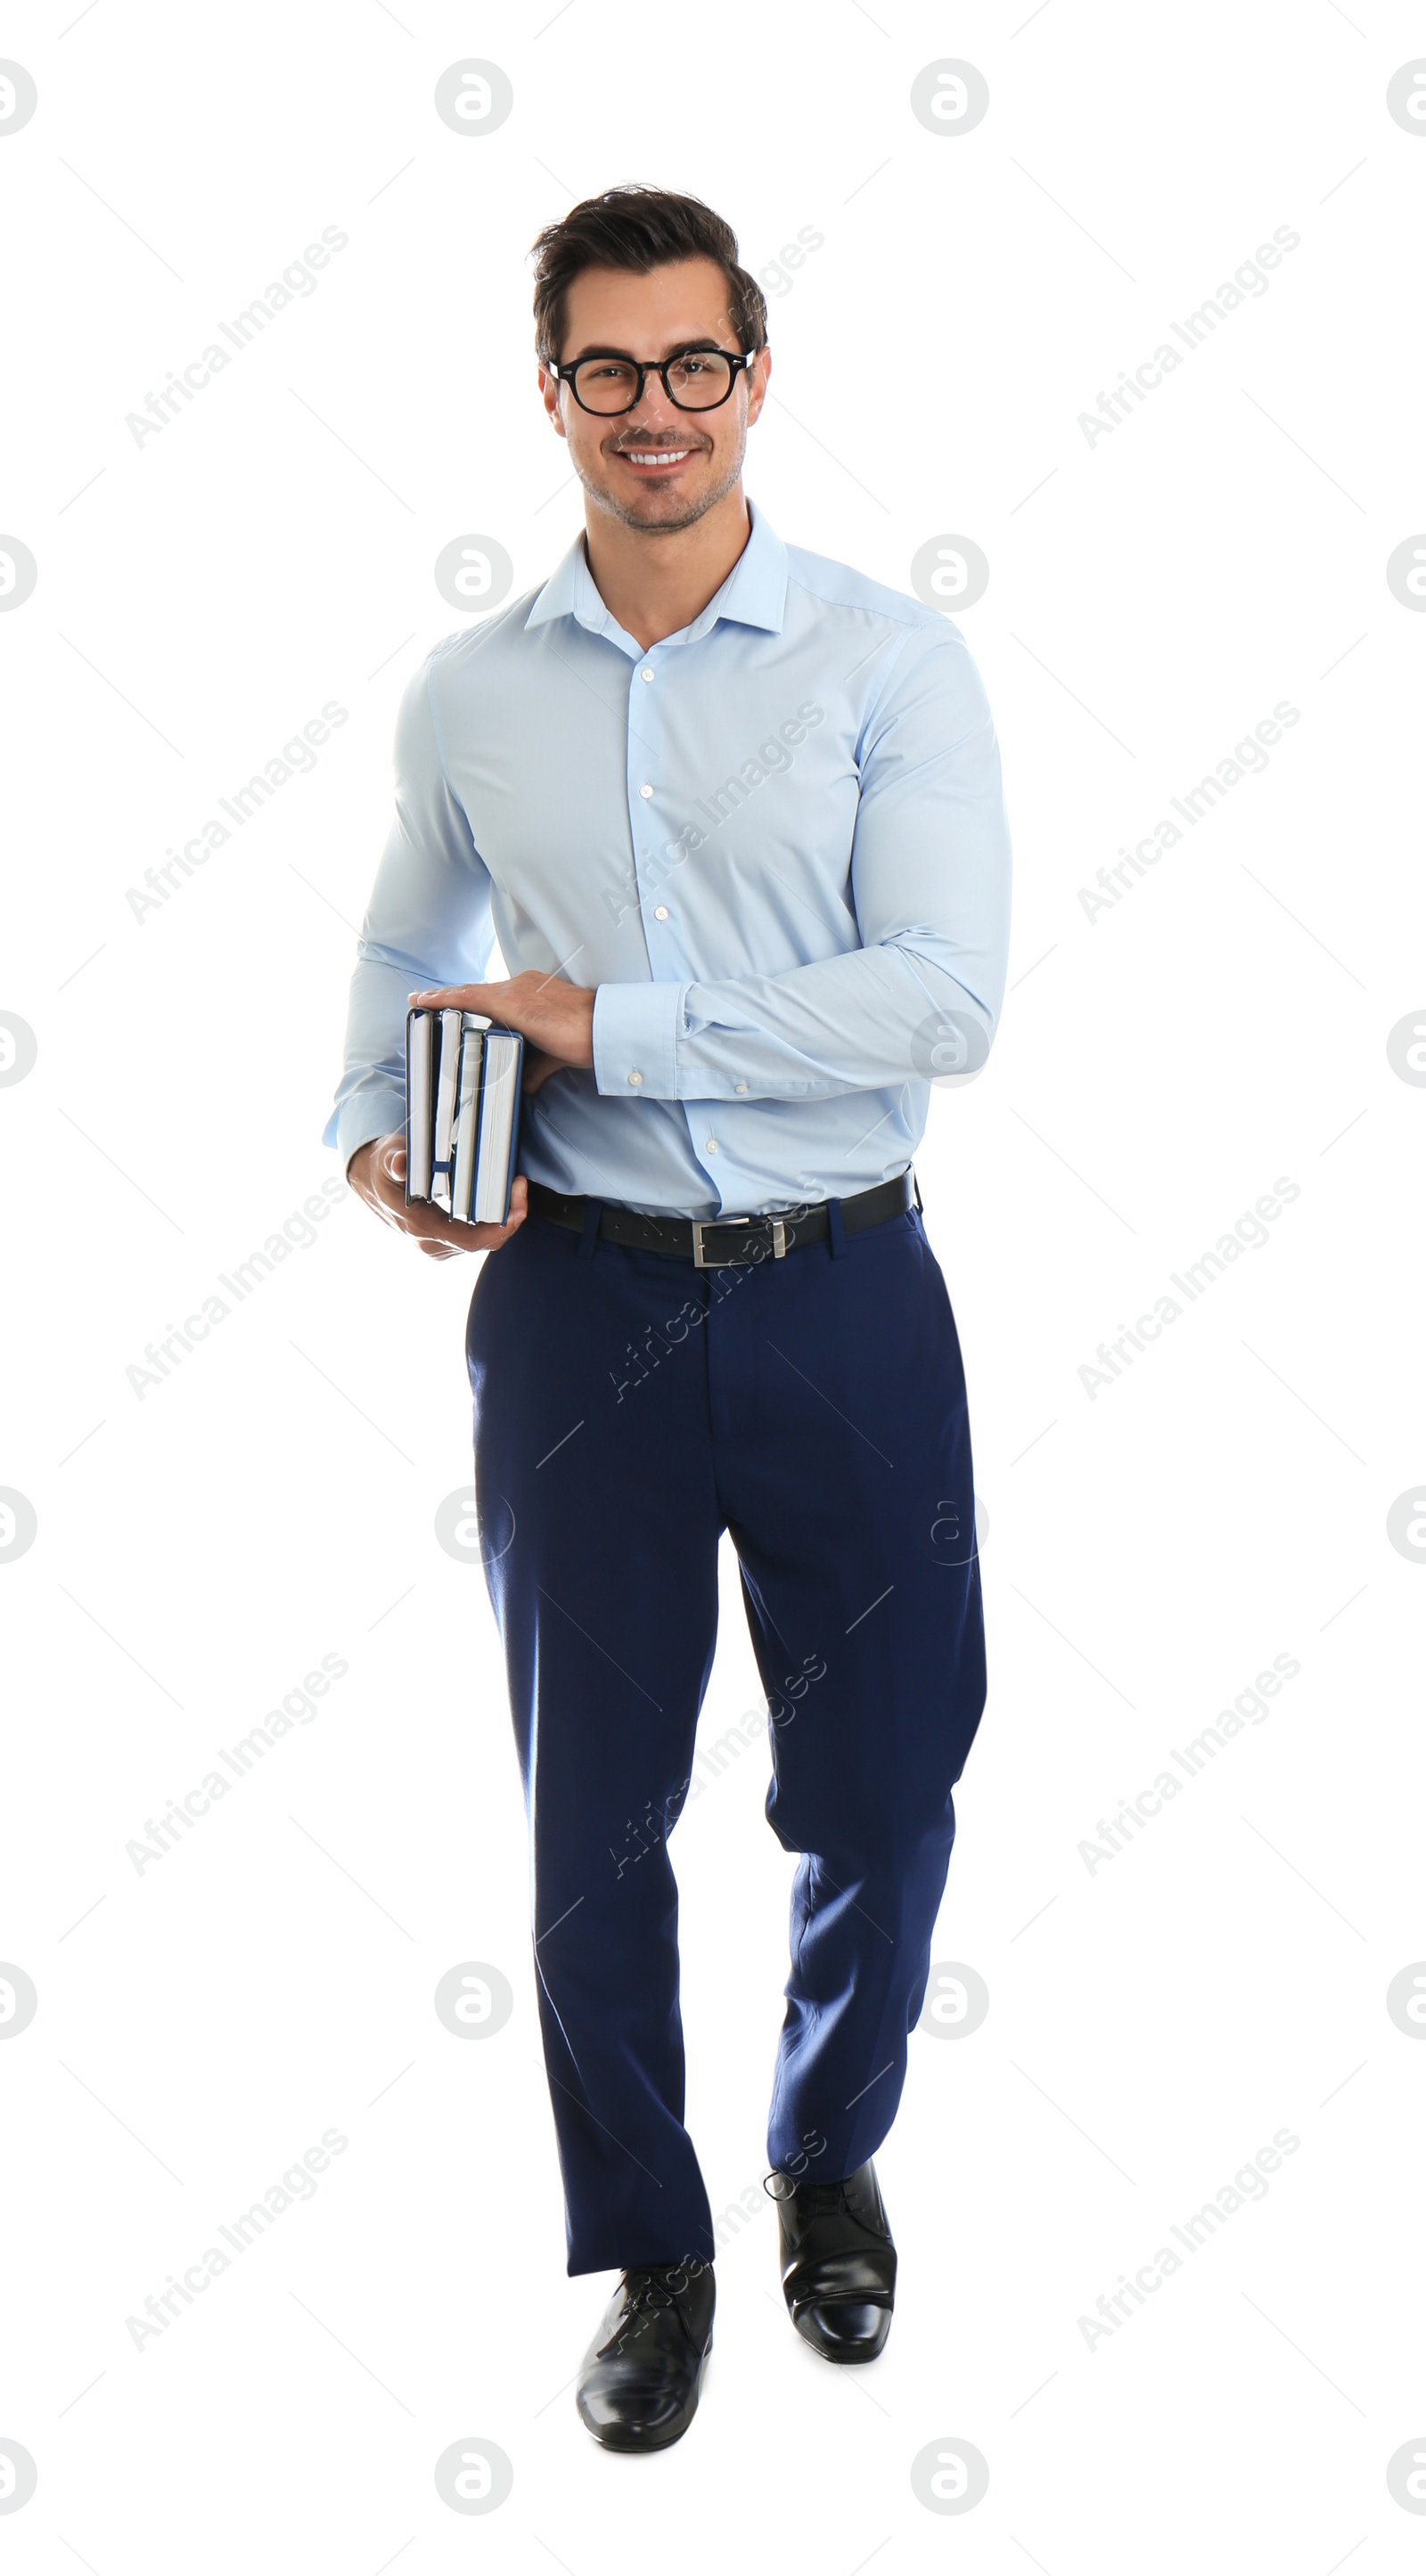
<point>651,2288</point>
<point>821,2199</point>
<point>827,2199</point>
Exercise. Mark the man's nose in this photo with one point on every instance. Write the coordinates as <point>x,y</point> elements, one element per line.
<point>653,411</point>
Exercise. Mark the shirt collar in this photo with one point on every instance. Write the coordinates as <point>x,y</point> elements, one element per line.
<point>754,593</point>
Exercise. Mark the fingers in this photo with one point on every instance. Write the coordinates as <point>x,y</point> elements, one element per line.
<point>494,1235</point>
<point>442,1235</point>
<point>388,1177</point>
<point>456,997</point>
<point>489,1238</point>
<point>480,1238</point>
<point>428,1227</point>
<point>437,1233</point>
<point>539,1065</point>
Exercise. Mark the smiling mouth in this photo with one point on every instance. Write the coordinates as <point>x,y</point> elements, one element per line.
<point>653,460</point>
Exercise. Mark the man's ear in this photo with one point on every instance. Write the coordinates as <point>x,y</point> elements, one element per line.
<point>757,390</point>
<point>550,392</point>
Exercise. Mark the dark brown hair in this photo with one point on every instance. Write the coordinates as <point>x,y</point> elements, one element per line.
<point>639,228</point>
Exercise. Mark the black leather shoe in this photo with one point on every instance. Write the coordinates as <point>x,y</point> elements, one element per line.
<point>838,2262</point>
<point>640,2379</point>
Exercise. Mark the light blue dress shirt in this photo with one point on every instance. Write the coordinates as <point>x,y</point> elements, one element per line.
<point>775,842</point>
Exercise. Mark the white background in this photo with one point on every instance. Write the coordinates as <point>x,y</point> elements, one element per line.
<point>1151,1546</point>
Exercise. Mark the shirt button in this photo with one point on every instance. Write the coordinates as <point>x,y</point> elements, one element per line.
<point>660,912</point>
<point>646,675</point>
<point>636,1078</point>
<point>740,1086</point>
<point>712,1146</point>
<point>646,791</point>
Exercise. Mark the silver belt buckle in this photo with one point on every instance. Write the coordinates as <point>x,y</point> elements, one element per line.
<point>698,1223</point>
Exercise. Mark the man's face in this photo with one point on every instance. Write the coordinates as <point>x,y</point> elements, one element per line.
<point>654,468</point>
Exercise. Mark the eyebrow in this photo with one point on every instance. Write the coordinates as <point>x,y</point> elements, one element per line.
<point>679,349</point>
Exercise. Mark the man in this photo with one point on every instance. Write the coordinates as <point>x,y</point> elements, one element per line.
<point>734,813</point>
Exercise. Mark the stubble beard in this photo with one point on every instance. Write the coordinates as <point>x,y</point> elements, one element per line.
<point>667,523</point>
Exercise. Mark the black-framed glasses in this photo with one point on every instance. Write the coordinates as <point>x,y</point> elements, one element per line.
<point>695,380</point>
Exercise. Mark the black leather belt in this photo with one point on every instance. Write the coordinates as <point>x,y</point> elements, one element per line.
<point>736,1240</point>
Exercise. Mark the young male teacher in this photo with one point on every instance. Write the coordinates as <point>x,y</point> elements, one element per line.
<point>734,814</point>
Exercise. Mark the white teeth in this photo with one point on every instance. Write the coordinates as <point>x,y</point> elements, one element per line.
<point>655,456</point>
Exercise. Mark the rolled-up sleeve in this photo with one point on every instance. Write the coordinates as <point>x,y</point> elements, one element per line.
<point>427,923</point>
<point>930,886</point>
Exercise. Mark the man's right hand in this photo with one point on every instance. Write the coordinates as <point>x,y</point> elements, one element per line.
<point>377,1172</point>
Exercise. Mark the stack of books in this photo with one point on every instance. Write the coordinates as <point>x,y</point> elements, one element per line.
<point>462,1114</point>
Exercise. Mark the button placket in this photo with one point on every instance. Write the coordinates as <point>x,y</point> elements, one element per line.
<point>643,751</point>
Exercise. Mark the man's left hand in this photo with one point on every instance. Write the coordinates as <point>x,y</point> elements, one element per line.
<point>555,1019</point>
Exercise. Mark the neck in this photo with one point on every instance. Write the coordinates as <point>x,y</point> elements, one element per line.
<point>655,584</point>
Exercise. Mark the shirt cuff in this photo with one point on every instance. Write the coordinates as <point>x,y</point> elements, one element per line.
<point>635,1039</point>
<point>365,1115</point>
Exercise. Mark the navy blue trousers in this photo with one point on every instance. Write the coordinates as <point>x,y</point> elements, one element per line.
<point>628,1410</point>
